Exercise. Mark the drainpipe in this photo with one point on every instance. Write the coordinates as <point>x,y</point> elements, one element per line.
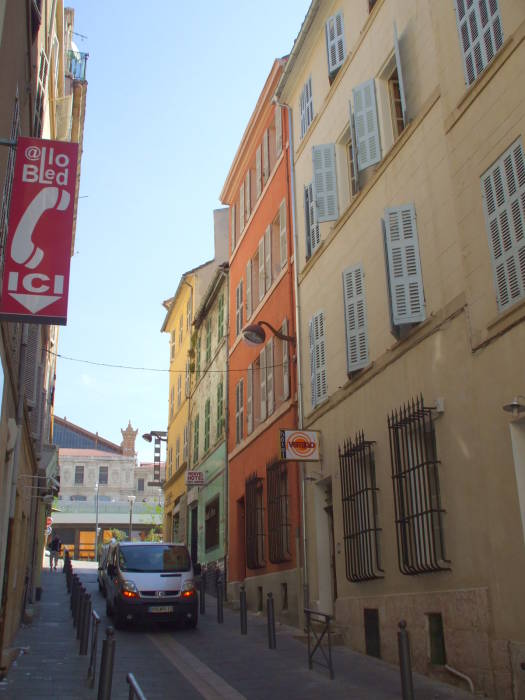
<point>226,434</point>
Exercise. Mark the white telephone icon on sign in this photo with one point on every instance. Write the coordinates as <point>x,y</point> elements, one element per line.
<point>23,249</point>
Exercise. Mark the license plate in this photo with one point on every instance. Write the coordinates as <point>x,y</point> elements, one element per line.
<point>161,608</point>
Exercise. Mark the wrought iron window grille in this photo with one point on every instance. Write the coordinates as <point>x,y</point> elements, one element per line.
<point>254,523</point>
<point>417,501</point>
<point>360,521</point>
<point>278,512</point>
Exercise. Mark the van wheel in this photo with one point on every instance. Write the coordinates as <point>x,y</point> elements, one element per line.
<point>191,622</point>
<point>109,609</point>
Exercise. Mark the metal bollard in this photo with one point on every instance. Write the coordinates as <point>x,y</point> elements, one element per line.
<point>106,665</point>
<point>82,612</point>
<point>220,601</point>
<point>92,670</point>
<point>202,594</point>
<point>405,666</point>
<point>74,584</point>
<point>84,630</point>
<point>271,622</point>
<point>78,599</point>
<point>242,608</point>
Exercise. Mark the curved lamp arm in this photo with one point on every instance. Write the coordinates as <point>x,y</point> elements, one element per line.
<point>277,334</point>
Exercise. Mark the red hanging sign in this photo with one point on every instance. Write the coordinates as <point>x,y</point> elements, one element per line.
<point>38,251</point>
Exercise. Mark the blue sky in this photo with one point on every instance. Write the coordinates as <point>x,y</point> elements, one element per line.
<point>169,96</point>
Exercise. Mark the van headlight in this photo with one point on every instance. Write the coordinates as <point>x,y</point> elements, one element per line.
<point>188,589</point>
<point>129,589</point>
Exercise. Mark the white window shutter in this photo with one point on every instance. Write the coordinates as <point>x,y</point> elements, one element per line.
<point>33,352</point>
<point>400,76</point>
<point>269,376</point>
<point>282,234</point>
<point>266,156</point>
<point>312,364</point>
<point>335,42</point>
<point>353,137</point>
<point>248,289</point>
<point>241,209</point>
<point>313,226</point>
<point>503,189</point>
<point>404,267</point>
<point>247,195</point>
<point>366,124</point>
<point>268,257</point>
<point>262,373</point>
<point>233,227</point>
<point>286,361</point>
<point>480,34</point>
<point>249,399</point>
<point>355,319</point>
<point>261,269</point>
<point>320,357</point>
<point>258,172</point>
<point>307,226</point>
<point>278,131</point>
<point>325,182</point>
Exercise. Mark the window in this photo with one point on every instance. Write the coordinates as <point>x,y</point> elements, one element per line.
<point>248,289</point>
<point>198,357</point>
<point>503,190</point>
<point>79,474</point>
<point>207,418</point>
<point>319,390</point>
<point>188,378</point>
<point>278,518</point>
<point>238,309</point>
<point>247,195</point>
<point>140,484</point>
<point>366,125</point>
<point>359,496</point>
<point>351,146</point>
<point>254,523</point>
<point>371,4</point>
<point>208,341</point>
<point>196,439</point>
<point>211,524</point>
<point>415,479</point>
<point>170,461</point>
<point>480,34</point>
<point>241,208</point>
<point>258,171</point>
<point>278,131</point>
<point>220,409</point>
<point>179,389</point>
<point>177,453</point>
<point>181,325</point>
<point>325,183</point>
<point>355,319</point>
<point>102,475</point>
<point>233,226</point>
<point>188,315</point>
<point>80,498</point>
<point>41,87</point>
<point>306,106</point>
<point>396,91</point>
<point>220,318</point>
<point>172,401</point>
<point>249,399</point>
<point>172,345</point>
<point>239,412</point>
<point>283,247</point>
<point>185,438</point>
<point>403,266</point>
<point>335,42</point>
<point>266,156</point>
<point>313,237</point>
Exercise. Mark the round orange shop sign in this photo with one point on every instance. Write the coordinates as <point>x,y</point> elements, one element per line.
<point>300,445</point>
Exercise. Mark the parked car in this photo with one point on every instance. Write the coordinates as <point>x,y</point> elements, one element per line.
<point>102,568</point>
<point>151,580</point>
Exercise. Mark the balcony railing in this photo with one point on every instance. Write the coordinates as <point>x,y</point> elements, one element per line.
<point>76,64</point>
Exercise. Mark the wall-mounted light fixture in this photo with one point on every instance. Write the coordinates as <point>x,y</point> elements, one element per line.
<point>516,406</point>
<point>254,333</point>
<point>158,436</point>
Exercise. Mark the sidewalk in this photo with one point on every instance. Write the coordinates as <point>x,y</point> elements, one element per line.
<point>214,661</point>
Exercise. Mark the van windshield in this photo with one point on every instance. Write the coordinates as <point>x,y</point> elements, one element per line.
<point>156,558</point>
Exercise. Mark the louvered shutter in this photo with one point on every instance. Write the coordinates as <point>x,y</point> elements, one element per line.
<point>353,138</point>
<point>32,360</point>
<point>355,319</point>
<point>261,269</point>
<point>248,289</point>
<point>262,374</point>
<point>307,191</point>
<point>282,234</point>
<point>258,172</point>
<point>286,361</point>
<point>302,108</point>
<point>248,195</point>
<point>249,399</point>
<point>266,156</point>
<point>278,131</point>
<point>315,234</point>
<point>269,376</point>
<point>268,258</point>
<point>480,34</point>
<point>503,190</point>
<point>404,267</point>
<point>366,125</point>
<point>318,358</point>
<point>233,227</point>
<point>241,209</point>
<point>400,76</point>
<point>335,41</point>
<point>325,182</point>
<point>312,363</point>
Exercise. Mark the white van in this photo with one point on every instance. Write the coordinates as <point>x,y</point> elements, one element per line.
<point>151,580</point>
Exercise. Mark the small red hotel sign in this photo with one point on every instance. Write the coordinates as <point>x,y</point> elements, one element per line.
<point>195,478</point>
<point>300,445</point>
<point>38,251</point>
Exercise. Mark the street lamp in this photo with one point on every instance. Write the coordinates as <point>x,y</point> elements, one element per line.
<point>96,520</point>
<point>131,500</point>
<point>254,333</point>
<point>158,436</point>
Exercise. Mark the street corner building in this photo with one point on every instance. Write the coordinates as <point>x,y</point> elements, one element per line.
<point>43,91</point>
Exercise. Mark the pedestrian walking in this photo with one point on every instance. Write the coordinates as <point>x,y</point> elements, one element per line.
<point>54,552</point>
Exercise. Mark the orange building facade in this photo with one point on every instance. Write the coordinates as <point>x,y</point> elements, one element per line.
<point>263,491</point>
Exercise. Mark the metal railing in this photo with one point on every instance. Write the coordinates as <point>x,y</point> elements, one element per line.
<point>135,690</point>
<point>76,64</point>
<point>313,616</point>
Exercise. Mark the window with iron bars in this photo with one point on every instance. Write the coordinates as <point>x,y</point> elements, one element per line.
<point>418,512</point>
<point>254,523</point>
<point>360,522</point>
<point>278,520</point>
